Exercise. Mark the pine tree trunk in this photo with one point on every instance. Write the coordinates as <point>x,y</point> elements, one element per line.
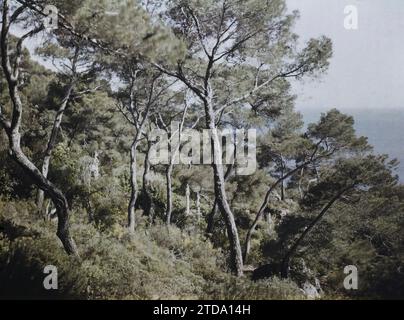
<point>211,218</point>
<point>213,213</point>
<point>236,259</point>
<point>198,204</point>
<point>134,187</point>
<point>293,249</point>
<point>57,197</point>
<point>169,189</point>
<point>12,129</point>
<point>261,211</point>
<point>247,244</point>
<point>40,197</point>
<point>188,201</point>
<point>235,248</point>
<point>53,137</point>
<point>149,209</point>
<point>300,184</point>
<point>283,190</point>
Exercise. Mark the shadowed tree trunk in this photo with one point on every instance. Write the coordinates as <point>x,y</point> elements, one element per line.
<point>261,211</point>
<point>169,190</point>
<point>283,189</point>
<point>293,249</point>
<point>211,218</point>
<point>300,182</point>
<point>283,168</point>
<point>149,209</point>
<point>198,204</point>
<point>213,213</point>
<point>57,197</point>
<point>133,186</point>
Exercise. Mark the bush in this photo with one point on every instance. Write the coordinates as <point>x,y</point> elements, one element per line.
<point>157,262</point>
<point>231,288</point>
<point>23,260</point>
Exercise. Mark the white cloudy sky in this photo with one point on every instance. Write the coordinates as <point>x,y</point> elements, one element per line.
<point>367,70</point>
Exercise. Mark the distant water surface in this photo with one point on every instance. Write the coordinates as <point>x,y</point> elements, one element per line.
<point>383,127</point>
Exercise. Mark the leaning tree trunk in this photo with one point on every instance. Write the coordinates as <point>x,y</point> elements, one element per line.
<point>52,142</point>
<point>261,211</point>
<point>133,186</point>
<point>57,197</point>
<point>293,249</point>
<point>247,244</point>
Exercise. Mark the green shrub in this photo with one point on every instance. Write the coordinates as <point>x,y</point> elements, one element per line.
<point>22,270</point>
<point>157,262</point>
<point>232,288</point>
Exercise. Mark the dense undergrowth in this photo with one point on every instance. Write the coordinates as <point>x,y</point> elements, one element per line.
<point>155,263</point>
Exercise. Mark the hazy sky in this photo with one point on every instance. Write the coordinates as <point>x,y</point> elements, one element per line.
<point>367,70</point>
<point>366,76</point>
